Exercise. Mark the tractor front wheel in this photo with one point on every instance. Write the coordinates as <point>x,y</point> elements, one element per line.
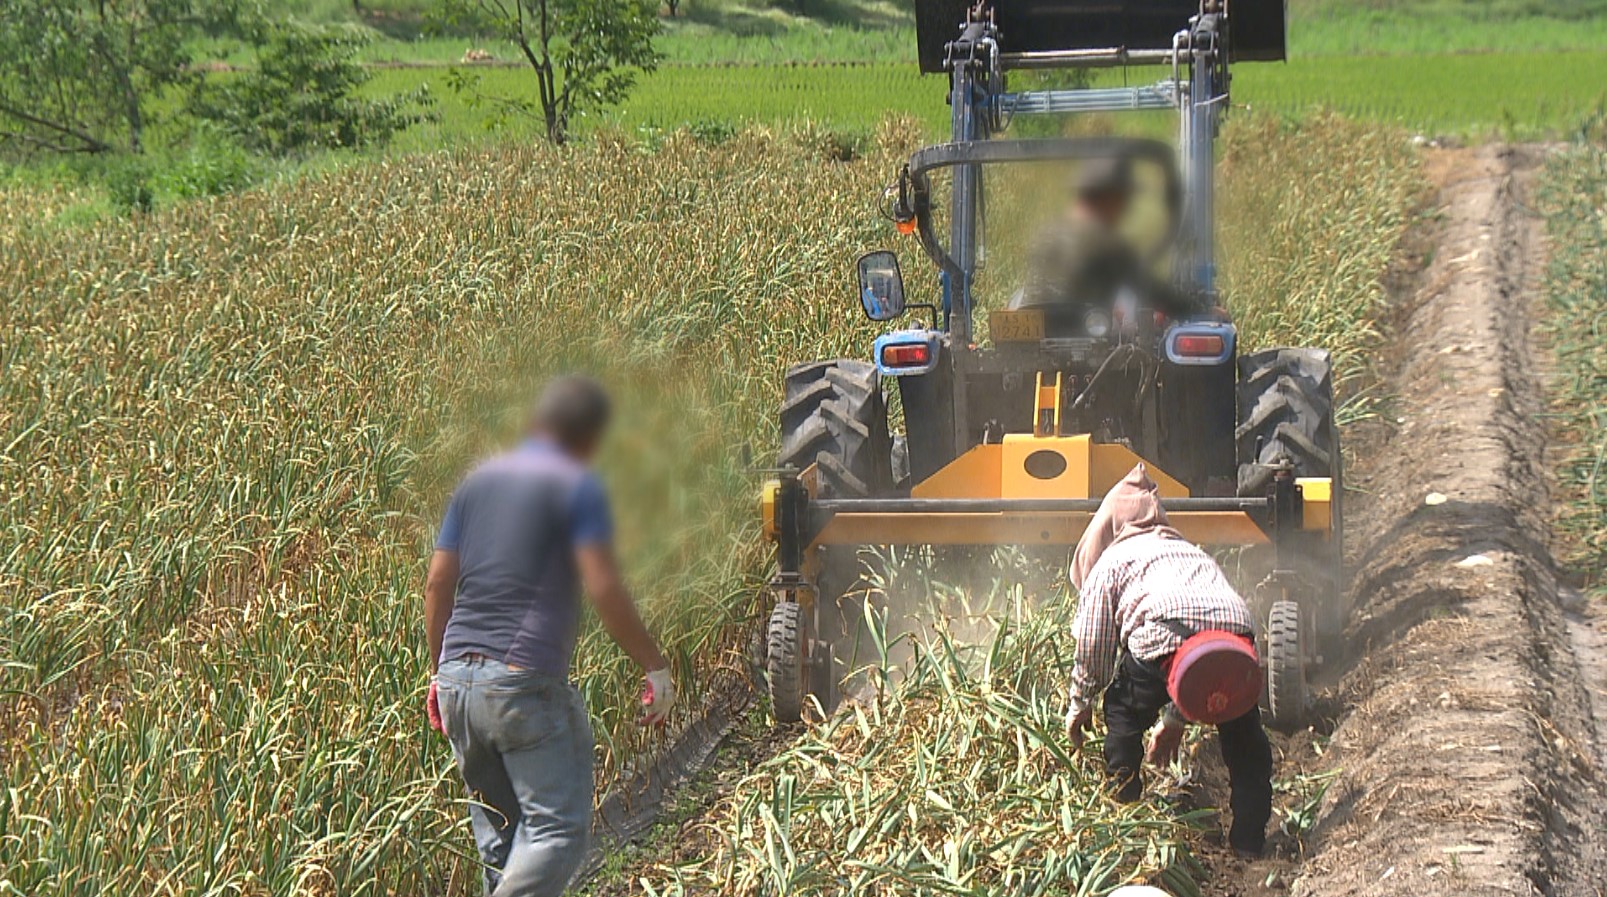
<point>786,661</point>
<point>1286,667</point>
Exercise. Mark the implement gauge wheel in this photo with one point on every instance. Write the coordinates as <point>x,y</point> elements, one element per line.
<point>1286,409</point>
<point>786,663</point>
<point>834,416</point>
<point>1286,667</point>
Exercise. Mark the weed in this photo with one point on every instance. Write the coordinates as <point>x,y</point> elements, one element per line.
<point>1573,196</point>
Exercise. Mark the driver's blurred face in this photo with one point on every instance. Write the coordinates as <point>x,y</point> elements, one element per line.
<point>1106,208</point>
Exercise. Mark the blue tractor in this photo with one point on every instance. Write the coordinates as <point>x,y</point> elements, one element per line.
<point>1019,413</point>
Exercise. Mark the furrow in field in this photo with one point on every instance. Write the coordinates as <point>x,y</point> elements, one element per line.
<point>1471,763</point>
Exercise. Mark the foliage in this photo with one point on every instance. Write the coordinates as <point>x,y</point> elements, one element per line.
<point>82,77</point>
<point>227,428</point>
<point>1304,794</point>
<point>77,189</point>
<point>302,96</point>
<point>957,779</point>
<point>1345,28</point>
<point>211,164</point>
<point>1311,216</point>
<point>586,54</point>
<point>1511,95</point>
<point>1574,201</point>
<point>1521,96</point>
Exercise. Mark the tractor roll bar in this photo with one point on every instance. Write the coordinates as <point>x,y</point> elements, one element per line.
<point>1111,57</point>
<point>1044,149</point>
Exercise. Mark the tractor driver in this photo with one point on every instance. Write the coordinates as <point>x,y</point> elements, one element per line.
<point>1082,262</point>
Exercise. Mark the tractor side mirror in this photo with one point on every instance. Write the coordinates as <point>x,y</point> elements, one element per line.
<point>881,286</point>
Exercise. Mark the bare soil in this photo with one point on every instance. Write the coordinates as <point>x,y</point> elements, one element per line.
<point>1471,753</point>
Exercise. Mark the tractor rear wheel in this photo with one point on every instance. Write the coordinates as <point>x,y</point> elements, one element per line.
<point>787,661</point>
<point>834,417</point>
<point>1286,413</point>
<point>1286,667</point>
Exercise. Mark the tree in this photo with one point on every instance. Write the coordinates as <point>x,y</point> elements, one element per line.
<point>78,76</point>
<point>302,96</point>
<point>586,53</point>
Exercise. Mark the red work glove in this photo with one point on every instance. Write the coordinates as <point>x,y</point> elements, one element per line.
<point>658,695</point>
<point>432,709</point>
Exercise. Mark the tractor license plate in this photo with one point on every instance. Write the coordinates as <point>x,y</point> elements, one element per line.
<point>1016,326</point>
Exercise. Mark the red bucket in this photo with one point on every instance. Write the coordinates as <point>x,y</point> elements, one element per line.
<point>1214,677</point>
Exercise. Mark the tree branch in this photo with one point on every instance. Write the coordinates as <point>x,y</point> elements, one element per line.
<point>42,143</point>
<point>90,144</point>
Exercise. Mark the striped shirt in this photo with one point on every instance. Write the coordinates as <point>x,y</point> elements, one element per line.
<point>1138,586</point>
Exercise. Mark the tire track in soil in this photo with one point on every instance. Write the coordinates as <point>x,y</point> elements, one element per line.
<point>1471,758</point>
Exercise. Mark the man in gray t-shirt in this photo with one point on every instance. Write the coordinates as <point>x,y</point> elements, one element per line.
<point>523,533</point>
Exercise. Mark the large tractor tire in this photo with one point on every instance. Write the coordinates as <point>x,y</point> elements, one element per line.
<point>1286,667</point>
<point>1286,412</point>
<point>787,661</point>
<point>834,417</point>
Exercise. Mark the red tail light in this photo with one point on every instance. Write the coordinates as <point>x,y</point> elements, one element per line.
<point>909,355</point>
<point>1199,345</point>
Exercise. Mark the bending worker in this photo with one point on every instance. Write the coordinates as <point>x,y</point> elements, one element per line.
<point>1158,624</point>
<point>522,534</point>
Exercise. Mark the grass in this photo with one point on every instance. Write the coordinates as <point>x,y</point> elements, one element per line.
<point>701,32</point>
<point>1449,68</point>
<point>1311,216</point>
<point>957,779</point>
<point>742,31</point>
<point>1573,197</point>
<point>226,429</point>
<point>1514,96</point>
<point>826,97</point>
<point>1518,69</point>
<point>1412,27</point>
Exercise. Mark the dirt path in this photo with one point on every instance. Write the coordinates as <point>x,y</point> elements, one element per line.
<point>1471,758</point>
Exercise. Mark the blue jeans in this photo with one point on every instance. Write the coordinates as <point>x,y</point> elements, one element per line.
<point>524,746</point>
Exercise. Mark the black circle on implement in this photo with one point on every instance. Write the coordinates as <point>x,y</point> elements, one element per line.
<point>1044,464</point>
